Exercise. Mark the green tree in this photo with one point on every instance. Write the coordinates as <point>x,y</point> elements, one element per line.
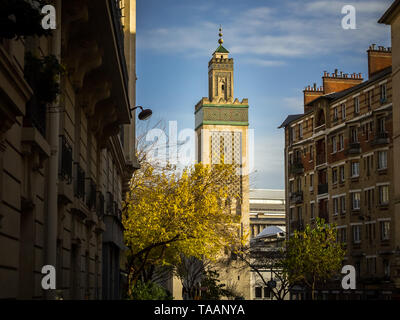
<point>314,255</point>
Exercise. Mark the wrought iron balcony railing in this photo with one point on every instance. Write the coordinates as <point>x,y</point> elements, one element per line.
<point>296,197</point>
<point>354,148</point>
<point>296,167</point>
<point>380,138</point>
<point>65,160</point>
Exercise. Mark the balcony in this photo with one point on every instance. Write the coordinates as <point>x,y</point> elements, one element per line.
<point>323,188</point>
<point>354,148</point>
<point>65,167</point>
<point>79,189</point>
<point>381,138</point>
<point>296,167</point>
<point>296,197</point>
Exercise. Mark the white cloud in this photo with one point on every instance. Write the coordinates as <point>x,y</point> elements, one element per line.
<point>267,36</point>
<point>264,62</point>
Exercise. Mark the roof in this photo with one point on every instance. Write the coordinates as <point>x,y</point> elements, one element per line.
<point>338,95</point>
<point>267,194</point>
<point>390,13</point>
<point>290,118</point>
<point>221,49</point>
<point>270,231</point>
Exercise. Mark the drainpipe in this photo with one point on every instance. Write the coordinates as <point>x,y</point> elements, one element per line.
<point>52,183</point>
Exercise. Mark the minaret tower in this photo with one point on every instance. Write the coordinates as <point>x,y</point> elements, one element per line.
<point>221,124</point>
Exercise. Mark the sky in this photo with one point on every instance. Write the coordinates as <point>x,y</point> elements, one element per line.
<point>279,48</point>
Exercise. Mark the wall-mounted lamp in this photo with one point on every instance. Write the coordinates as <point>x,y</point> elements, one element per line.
<point>144,114</point>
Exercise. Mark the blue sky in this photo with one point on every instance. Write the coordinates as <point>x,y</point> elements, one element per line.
<point>279,47</point>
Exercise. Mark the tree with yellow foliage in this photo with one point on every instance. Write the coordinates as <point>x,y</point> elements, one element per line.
<point>169,213</point>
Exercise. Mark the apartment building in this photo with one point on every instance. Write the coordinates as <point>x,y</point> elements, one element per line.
<point>267,208</point>
<point>65,164</point>
<point>392,17</point>
<point>339,167</point>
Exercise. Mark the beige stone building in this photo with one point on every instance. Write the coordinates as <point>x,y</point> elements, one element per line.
<point>221,124</point>
<point>64,165</point>
<point>339,167</point>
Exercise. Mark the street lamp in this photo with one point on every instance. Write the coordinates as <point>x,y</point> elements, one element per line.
<point>144,114</point>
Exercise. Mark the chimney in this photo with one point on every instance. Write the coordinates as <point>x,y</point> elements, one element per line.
<point>378,59</point>
<point>310,94</point>
<point>336,82</point>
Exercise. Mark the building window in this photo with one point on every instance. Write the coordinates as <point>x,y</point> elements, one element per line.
<point>371,265</point>
<point>343,111</point>
<point>335,206</point>
<point>386,267</point>
<point>382,156</point>
<point>267,292</point>
<point>334,176</point>
<point>342,173</point>
<point>291,186</point>
<point>311,181</point>
<point>291,214</point>
<point>356,105</point>
<point>353,135</point>
<point>343,204</point>
<point>334,145</point>
<point>355,169</point>
<point>258,292</point>
<point>383,93</point>
<point>343,235</point>
<point>312,210</point>
<point>357,234</point>
<point>300,130</point>
<point>335,114</point>
<point>383,195</point>
<point>311,153</point>
<point>355,200</point>
<point>381,124</point>
<point>341,142</point>
<point>385,230</point>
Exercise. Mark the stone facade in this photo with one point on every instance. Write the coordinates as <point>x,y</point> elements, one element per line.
<point>63,170</point>
<point>339,167</point>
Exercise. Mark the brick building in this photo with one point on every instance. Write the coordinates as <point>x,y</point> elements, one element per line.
<point>339,167</point>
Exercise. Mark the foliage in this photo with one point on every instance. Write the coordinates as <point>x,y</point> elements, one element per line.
<point>148,291</point>
<point>314,255</point>
<point>169,213</point>
<point>42,75</point>
<point>212,289</point>
<point>22,18</point>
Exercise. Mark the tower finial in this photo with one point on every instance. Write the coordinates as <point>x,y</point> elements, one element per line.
<point>220,40</point>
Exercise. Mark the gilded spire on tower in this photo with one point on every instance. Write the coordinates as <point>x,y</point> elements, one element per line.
<point>220,40</point>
